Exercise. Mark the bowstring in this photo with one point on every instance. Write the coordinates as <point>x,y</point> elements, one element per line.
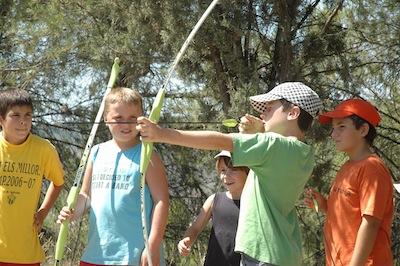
<point>171,70</point>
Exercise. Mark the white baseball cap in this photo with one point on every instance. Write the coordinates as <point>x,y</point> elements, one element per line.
<point>223,153</point>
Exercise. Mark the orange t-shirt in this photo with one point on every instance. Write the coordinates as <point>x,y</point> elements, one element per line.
<point>360,188</point>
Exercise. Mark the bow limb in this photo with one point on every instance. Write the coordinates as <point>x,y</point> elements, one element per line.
<point>73,194</point>
<point>145,156</point>
<point>147,147</point>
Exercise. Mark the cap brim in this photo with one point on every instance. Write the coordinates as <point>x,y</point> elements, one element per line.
<point>259,102</point>
<point>327,117</point>
<point>223,153</point>
<point>264,98</point>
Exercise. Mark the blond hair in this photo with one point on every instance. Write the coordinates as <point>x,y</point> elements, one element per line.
<point>123,95</point>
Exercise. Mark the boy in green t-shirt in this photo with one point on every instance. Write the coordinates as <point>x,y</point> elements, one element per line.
<point>280,162</point>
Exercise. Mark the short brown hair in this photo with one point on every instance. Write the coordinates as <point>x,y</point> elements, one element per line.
<point>358,122</point>
<point>228,162</point>
<point>14,97</point>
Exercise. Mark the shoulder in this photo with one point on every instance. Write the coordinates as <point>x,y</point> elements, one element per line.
<point>42,144</point>
<point>39,140</point>
<point>211,198</point>
<point>219,195</point>
<point>271,137</point>
<point>255,140</point>
<point>209,201</point>
<point>374,163</point>
<point>371,170</point>
<point>107,146</point>
<point>374,160</point>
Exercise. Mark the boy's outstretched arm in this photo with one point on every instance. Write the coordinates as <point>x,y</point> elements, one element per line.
<point>205,140</point>
<point>365,240</point>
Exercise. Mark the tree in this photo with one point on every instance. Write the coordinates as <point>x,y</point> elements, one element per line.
<point>61,51</point>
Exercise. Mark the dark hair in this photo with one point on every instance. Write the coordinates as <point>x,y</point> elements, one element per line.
<point>228,162</point>
<point>14,97</point>
<point>358,122</point>
<point>305,119</point>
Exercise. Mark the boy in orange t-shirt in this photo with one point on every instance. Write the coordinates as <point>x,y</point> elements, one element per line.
<point>359,207</point>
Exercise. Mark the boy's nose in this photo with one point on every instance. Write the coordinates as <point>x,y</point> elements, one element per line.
<point>334,133</point>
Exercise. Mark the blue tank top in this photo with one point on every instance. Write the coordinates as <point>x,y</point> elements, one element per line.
<point>115,233</point>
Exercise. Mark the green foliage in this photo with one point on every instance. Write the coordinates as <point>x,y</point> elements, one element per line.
<point>62,51</point>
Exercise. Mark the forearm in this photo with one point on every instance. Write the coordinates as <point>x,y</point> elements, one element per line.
<point>51,196</point>
<point>192,233</point>
<point>158,224</point>
<point>365,240</point>
<point>206,140</point>
<point>201,221</point>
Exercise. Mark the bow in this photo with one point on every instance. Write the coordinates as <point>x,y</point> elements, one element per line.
<point>147,147</point>
<point>73,194</point>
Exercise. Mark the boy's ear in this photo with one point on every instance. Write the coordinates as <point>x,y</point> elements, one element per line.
<point>105,120</point>
<point>294,113</point>
<point>364,129</point>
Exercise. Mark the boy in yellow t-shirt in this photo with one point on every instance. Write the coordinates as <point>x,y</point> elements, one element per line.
<point>359,208</point>
<point>24,160</point>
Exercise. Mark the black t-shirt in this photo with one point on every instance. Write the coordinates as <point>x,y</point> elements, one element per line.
<point>225,215</point>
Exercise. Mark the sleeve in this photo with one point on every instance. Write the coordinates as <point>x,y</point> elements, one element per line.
<point>54,171</point>
<point>253,149</point>
<point>93,152</point>
<point>375,189</point>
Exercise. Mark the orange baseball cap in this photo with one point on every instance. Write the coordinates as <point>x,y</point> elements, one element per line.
<point>358,107</point>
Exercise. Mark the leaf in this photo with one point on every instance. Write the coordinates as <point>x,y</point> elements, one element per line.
<point>230,122</point>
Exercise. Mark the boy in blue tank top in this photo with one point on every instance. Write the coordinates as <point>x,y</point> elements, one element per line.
<point>111,190</point>
<point>280,163</point>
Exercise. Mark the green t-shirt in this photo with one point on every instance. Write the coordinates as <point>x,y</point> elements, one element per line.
<point>268,229</point>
